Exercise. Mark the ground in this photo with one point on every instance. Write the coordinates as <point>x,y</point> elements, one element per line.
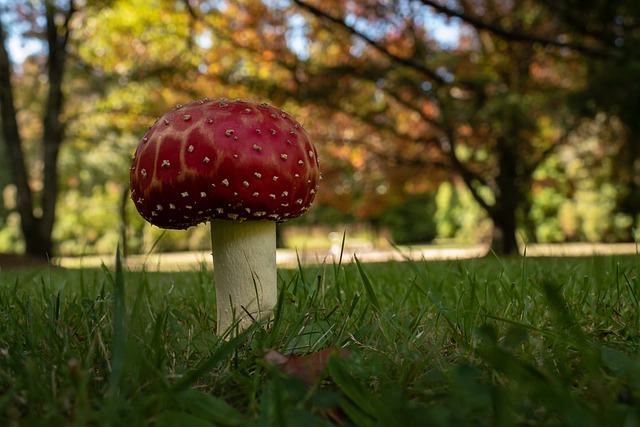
<point>17,260</point>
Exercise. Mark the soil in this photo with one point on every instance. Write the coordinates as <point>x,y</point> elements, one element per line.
<point>17,261</point>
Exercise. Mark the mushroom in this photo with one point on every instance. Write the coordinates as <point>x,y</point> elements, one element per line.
<point>241,165</point>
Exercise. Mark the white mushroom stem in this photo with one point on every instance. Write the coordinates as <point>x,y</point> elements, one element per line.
<point>244,270</point>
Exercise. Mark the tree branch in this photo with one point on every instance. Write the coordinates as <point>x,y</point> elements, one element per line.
<point>514,36</point>
<point>408,62</point>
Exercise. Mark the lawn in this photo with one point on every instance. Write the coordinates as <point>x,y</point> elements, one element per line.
<point>527,341</point>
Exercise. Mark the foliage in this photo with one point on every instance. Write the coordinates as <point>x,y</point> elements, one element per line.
<point>458,216</point>
<point>394,107</point>
<point>411,220</point>
<point>477,342</point>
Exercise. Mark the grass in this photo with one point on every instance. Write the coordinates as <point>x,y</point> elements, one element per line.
<point>526,342</point>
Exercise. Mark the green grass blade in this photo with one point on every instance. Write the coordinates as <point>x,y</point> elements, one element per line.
<point>118,324</point>
<point>210,408</point>
<point>337,268</point>
<point>361,405</point>
<point>226,350</point>
<point>368,288</point>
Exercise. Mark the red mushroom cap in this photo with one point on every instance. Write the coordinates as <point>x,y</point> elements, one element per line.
<point>218,159</point>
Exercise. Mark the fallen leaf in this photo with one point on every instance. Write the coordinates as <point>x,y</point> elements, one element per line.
<point>309,368</point>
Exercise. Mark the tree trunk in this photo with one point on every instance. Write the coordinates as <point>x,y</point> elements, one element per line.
<point>53,127</point>
<point>509,198</point>
<point>13,142</point>
<point>504,231</point>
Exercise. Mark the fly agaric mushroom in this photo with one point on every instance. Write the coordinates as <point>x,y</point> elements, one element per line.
<point>242,166</point>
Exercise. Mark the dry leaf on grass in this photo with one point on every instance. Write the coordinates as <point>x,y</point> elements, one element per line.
<point>308,368</point>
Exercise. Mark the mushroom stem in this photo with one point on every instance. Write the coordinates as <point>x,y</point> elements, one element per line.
<point>244,270</point>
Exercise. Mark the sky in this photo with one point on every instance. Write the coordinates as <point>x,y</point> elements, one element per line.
<point>20,49</point>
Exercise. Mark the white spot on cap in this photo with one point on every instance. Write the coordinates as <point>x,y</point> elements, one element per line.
<point>225,182</point>
<point>257,175</point>
<point>166,163</point>
<point>300,162</point>
<point>143,172</point>
<point>172,206</point>
<point>272,196</point>
<point>205,160</point>
<point>299,201</point>
<point>285,193</point>
<point>275,178</point>
<point>186,117</point>
<point>273,131</point>
<point>220,210</point>
<point>159,207</point>
<point>245,184</point>
<point>185,194</point>
<point>256,194</point>
<point>257,147</point>
<point>229,132</point>
<point>258,131</point>
<point>283,156</point>
<point>203,194</point>
<point>190,149</point>
<point>166,122</point>
<point>232,216</point>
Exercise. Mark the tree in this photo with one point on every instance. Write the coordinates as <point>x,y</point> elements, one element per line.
<point>489,111</point>
<point>611,30</point>
<point>37,216</point>
<point>64,96</point>
<point>605,36</point>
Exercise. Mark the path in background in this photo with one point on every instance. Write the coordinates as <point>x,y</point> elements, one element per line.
<point>288,258</point>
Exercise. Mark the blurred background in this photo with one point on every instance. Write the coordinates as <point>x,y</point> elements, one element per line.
<point>448,122</point>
